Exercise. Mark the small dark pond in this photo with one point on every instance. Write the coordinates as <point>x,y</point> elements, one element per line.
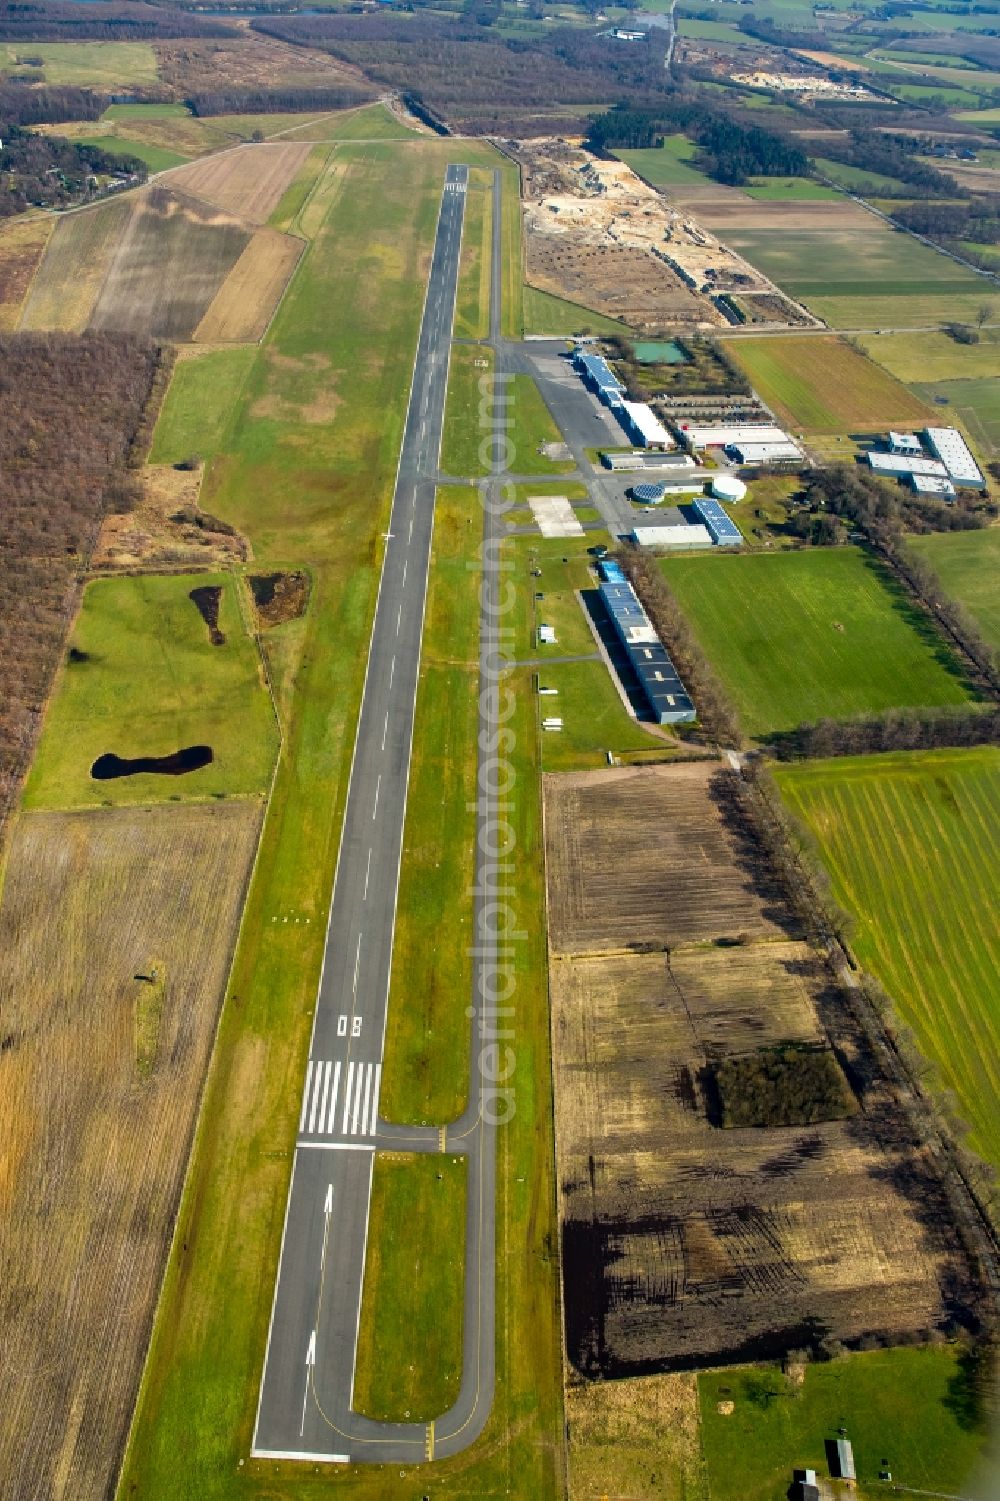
<point>109,766</point>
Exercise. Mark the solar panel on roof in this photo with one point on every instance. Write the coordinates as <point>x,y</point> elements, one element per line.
<point>649,494</point>
<point>721,526</point>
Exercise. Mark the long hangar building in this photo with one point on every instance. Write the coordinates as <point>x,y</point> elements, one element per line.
<point>664,692</point>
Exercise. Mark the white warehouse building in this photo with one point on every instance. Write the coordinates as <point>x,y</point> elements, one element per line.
<point>641,424</point>
<point>722,436</point>
<point>948,445</point>
<point>672,536</point>
<point>900,464</point>
<point>764,453</point>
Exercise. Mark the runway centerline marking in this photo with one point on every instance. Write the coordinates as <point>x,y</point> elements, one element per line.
<point>368,871</point>
<point>378,784</point>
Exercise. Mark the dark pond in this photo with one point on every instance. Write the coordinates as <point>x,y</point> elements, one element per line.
<point>109,766</point>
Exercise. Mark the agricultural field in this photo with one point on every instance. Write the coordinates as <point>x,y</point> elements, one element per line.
<point>199,404</point>
<point>909,841</point>
<point>858,278</point>
<point>22,245</point>
<point>791,636</point>
<point>684,1244</point>
<point>101,65</point>
<point>822,385</point>
<point>73,268</point>
<point>790,190</point>
<point>143,678</point>
<point>116,928</point>
<point>313,492</point>
<point>921,1410</point>
<point>977,405</point>
<point>934,356</point>
<point>248,181</point>
<point>666,166</point>
<point>244,304</point>
<point>409,1364</point>
<point>599,904</point>
<point>968,565</point>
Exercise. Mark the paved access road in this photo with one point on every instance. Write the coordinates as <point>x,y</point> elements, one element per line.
<point>306,1397</point>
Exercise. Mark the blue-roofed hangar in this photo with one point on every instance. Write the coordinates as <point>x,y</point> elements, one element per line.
<point>658,677</point>
<point>723,530</point>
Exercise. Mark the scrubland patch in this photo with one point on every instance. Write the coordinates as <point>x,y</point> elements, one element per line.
<point>100,1076</point>
<point>636,1438</point>
<point>22,245</point>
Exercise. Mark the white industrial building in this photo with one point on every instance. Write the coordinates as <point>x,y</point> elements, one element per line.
<point>641,424</point>
<point>725,435</point>
<point>905,443</point>
<point>672,536</point>
<point>948,445</point>
<point>901,465</point>
<point>933,484</point>
<point>764,453</point>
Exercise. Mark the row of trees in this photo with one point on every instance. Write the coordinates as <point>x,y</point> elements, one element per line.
<point>36,169</point>
<point>20,105</point>
<point>277,101</point>
<point>898,730</point>
<point>115,21</point>
<point>71,408</point>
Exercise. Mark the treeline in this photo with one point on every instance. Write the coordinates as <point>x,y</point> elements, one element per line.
<point>898,730</point>
<point>114,21</point>
<point>232,101</point>
<point>715,712</point>
<point>51,172</point>
<point>977,219</point>
<point>21,105</point>
<point>730,152</point>
<point>892,156</point>
<point>468,75</point>
<point>71,407</point>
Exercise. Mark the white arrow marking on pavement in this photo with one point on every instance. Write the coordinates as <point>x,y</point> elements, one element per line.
<point>327,1211</point>
<point>310,1362</point>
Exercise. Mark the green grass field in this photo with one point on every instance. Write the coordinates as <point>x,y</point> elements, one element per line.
<point>532,427</point>
<point>371,123</point>
<point>968,565</point>
<point>977,403</point>
<point>463,434</point>
<point>822,385</point>
<point>912,1407</point>
<point>409,1364</point>
<point>297,194</point>
<point>200,404</point>
<point>545,314</point>
<point>472,303</point>
<point>935,356</point>
<point>306,470</point>
<point>157,158</point>
<point>789,190</point>
<point>669,165</point>
<point>85,64</point>
<point>856,178</point>
<point>910,843</point>
<point>797,636</point>
<point>152,684</point>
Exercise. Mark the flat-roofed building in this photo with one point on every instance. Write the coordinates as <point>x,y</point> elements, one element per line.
<point>901,465</point>
<point>641,424</point>
<point>933,484</point>
<point>661,685</point>
<point>948,445</point>
<point>785,452</point>
<point>672,536</point>
<point>724,531</point>
<point>721,435</point>
<point>905,443</point>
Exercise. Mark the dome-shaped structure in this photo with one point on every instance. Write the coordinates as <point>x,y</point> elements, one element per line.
<point>728,487</point>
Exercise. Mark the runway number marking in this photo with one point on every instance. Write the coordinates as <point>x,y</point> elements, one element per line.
<point>342,1025</point>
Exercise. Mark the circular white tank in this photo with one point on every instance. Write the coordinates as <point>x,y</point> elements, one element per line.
<point>728,487</point>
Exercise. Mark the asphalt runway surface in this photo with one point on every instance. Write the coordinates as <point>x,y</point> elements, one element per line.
<point>305,1408</point>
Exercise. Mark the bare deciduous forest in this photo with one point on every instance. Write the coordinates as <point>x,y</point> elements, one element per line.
<point>70,410</point>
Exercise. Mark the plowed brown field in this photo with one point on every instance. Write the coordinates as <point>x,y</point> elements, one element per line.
<point>116,929</point>
<point>248,181</point>
<point>245,303</point>
<point>685,1244</point>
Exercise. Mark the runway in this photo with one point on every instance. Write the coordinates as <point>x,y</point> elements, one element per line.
<point>305,1408</point>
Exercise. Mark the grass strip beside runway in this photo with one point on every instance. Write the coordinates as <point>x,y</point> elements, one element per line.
<point>409,1364</point>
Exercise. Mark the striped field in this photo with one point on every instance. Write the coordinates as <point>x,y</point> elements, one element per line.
<point>910,843</point>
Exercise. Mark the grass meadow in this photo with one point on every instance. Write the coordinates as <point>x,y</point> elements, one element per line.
<point>977,403</point>
<point>86,64</point>
<point>822,385</point>
<point>308,489</point>
<point>200,404</point>
<point>147,682</point>
<point>545,314</point>
<point>409,1365</point>
<point>798,636</point>
<point>666,166</point>
<point>910,843</point>
<point>968,565</point>
<point>915,1408</point>
<point>935,356</point>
